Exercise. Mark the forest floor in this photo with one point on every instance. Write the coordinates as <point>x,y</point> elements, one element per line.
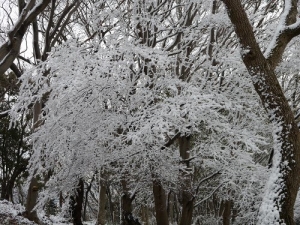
<point>12,214</point>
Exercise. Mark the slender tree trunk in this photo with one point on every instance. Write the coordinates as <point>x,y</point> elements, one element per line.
<point>88,189</point>
<point>61,200</point>
<point>226,212</point>
<point>127,198</point>
<point>9,192</point>
<point>32,194</point>
<point>187,208</point>
<point>101,219</point>
<point>126,209</point>
<point>111,205</point>
<point>161,213</point>
<point>8,184</point>
<point>278,203</point>
<point>171,205</point>
<point>3,188</point>
<point>187,198</point>
<point>126,203</point>
<point>21,195</point>
<point>144,215</point>
<point>76,203</point>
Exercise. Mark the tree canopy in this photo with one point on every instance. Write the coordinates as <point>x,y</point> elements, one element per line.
<point>162,112</point>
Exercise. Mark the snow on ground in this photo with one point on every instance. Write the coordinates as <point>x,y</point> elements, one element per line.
<point>12,214</point>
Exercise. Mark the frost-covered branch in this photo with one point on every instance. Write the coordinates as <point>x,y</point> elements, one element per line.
<point>288,27</point>
<point>210,195</point>
<point>284,182</point>
<point>10,49</point>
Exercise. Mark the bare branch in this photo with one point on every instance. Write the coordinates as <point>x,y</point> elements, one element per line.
<point>209,196</point>
<point>10,49</point>
<point>16,70</point>
<point>4,114</point>
<point>25,60</point>
<point>206,179</point>
<point>288,28</point>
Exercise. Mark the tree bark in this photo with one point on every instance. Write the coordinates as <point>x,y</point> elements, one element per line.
<point>88,189</point>
<point>161,213</point>
<point>76,203</point>
<point>145,215</point>
<point>32,196</point>
<point>187,198</point>
<point>127,198</point>
<point>101,219</point>
<point>278,203</point>
<point>10,49</point>
<point>171,205</point>
<point>226,214</point>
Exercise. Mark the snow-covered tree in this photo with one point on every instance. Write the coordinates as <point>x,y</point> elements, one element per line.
<point>283,185</point>
<point>154,100</point>
<point>152,97</point>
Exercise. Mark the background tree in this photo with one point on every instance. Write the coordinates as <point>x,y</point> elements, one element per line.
<point>120,109</point>
<point>50,26</point>
<point>153,97</point>
<point>14,147</point>
<point>284,182</point>
<point>10,49</point>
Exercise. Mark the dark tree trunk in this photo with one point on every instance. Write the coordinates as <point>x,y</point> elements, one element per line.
<point>101,220</point>
<point>88,189</point>
<point>284,184</point>
<point>8,194</point>
<point>32,196</point>
<point>127,198</point>
<point>8,184</point>
<point>226,214</point>
<point>187,209</point>
<point>187,198</point>
<point>171,206</point>
<point>76,202</point>
<point>160,203</point>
